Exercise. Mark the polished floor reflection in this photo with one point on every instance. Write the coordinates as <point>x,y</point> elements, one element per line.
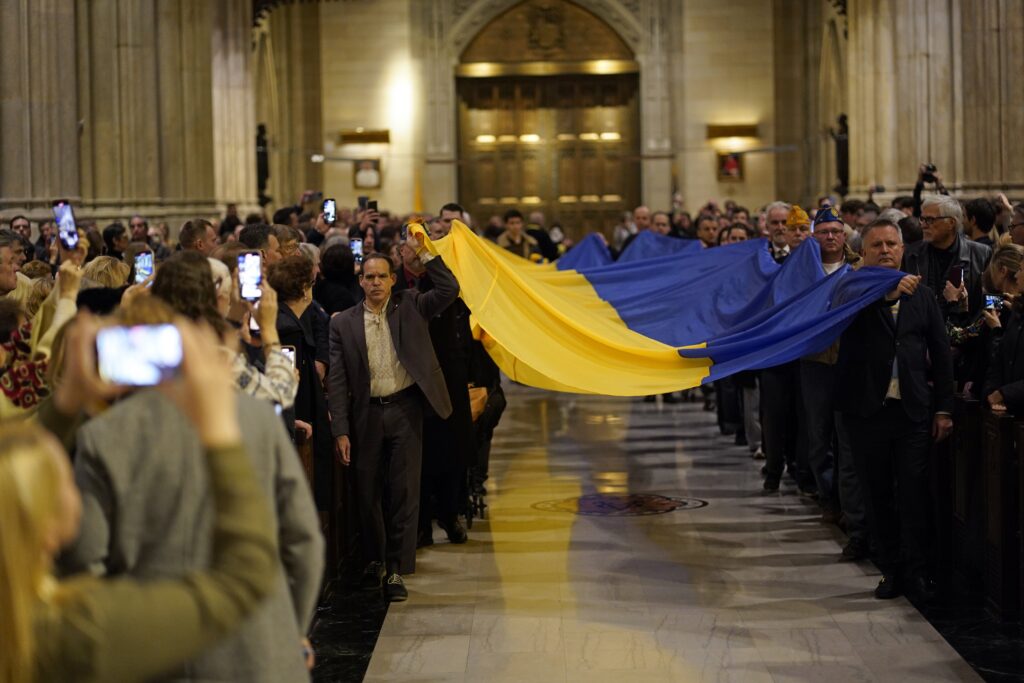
<point>746,588</point>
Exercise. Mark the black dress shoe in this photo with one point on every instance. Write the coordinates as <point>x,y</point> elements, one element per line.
<point>919,590</point>
<point>888,588</point>
<point>771,484</point>
<point>424,538</point>
<point>649,399</point>
<point>669,398</point>
<point>456,532</point>
<point>855,549</point>
<point>373,575</point>
<point>395,590</point>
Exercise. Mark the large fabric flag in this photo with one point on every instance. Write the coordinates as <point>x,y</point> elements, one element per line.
<point>660,321</point>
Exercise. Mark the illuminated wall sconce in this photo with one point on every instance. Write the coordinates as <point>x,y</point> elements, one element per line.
<point>362,136</point>
<point>486,139</point>
<point>732,130</point>
<point>529,137</point>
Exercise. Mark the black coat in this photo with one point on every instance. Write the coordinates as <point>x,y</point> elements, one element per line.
<point>1006,365</point>
<point>310,401</point>
<point>336,297</point>
<point>917,340</point>
<point>971,256</point>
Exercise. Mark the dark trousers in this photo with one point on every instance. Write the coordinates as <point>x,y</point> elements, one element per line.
<point>784,441</point>
<point>851,489</point>
<point>817,384</point>
<point>386,461</point>
<point>443,477</point>
<point>891,452</point>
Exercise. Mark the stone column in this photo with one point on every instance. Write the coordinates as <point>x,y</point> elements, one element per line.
<point>38,105</point>
<point>288,99</point>
<point>656,145</point>
<point>437,60</point>
<point>234,113</point>
<point>145,102</point>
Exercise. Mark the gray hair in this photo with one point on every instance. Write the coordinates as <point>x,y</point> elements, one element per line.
<point>777,205</point>
<point>892,215</point>
<point>310,252</point>
<point>881,223</point>
<point>948,208</point>
<point>7,238</point>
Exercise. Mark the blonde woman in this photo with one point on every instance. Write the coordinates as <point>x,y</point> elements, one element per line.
<point>107,271</point>
<point>87,629</point>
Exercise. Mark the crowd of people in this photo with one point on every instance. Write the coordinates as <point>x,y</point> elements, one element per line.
<point>190,497</point>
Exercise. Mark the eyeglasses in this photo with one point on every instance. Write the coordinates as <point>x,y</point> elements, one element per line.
<point>932,220</point>
<point>829,233</point>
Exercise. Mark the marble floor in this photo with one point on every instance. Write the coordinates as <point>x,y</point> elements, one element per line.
<point>745,588</point>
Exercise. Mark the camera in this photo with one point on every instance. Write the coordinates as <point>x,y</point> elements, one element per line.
<point>929,173</point>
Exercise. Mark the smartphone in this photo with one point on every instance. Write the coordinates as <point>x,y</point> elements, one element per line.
<point>405,232</point>
<point>956,275</point>
<point>250,275</point>
<point>993,303</point>
<point>372,205</point>
<point>138,356</point>
<point>143,266</point>
<point>330,211</point>
<point>67,233</point>
<point>363,200</point>
<point>290,352</point>
<point>357,249</point>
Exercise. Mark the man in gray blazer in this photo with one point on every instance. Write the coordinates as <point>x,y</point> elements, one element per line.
<point>147,512</point>
<point>382,367</point>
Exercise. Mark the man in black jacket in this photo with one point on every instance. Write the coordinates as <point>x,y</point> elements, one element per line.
<point>952,267</point>
<point>886,358</point>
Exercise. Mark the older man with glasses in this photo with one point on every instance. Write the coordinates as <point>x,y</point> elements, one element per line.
<point>952,267</point>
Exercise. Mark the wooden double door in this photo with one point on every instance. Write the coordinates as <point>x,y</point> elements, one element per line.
<point>564,145</point>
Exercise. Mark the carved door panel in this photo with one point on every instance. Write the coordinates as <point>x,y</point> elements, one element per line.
<point>565,145</point>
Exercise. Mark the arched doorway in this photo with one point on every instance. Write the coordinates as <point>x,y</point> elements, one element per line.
<point>548,118</point>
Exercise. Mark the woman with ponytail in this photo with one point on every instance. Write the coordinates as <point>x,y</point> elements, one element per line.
<point>88,629</point>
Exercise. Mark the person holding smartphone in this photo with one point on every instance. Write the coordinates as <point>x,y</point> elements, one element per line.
<point>84,628</point>
<point>952,267</point>
<point>164,517</point>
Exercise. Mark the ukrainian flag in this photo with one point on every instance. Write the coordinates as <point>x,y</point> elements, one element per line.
<point>668,316</point>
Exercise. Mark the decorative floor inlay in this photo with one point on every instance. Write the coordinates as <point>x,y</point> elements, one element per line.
<point>632,505</point>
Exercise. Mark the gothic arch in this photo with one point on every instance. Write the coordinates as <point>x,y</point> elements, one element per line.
<point>474,15</point>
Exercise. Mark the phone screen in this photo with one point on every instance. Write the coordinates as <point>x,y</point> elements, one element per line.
<point>330,211</point>
<point>290,352</point>
<point>139,356</point>
<point>143,266</point>
<point>372,205</point>
<point>250,275</point>
<point>66,230</point>
<point>357,249</point>
<point>956,275</point>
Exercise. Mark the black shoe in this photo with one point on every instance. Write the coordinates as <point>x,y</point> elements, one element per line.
<point>649,399</point>
<point>395,590</point>
<point>888,588</point>
<point>456,532</point>
<point>919,590</point>
<point>855,549</point>
<point>741,439</point>
<point>670,398</point>
<point>373,575</point>
<point>424,538</point>
<point>771,484</point>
